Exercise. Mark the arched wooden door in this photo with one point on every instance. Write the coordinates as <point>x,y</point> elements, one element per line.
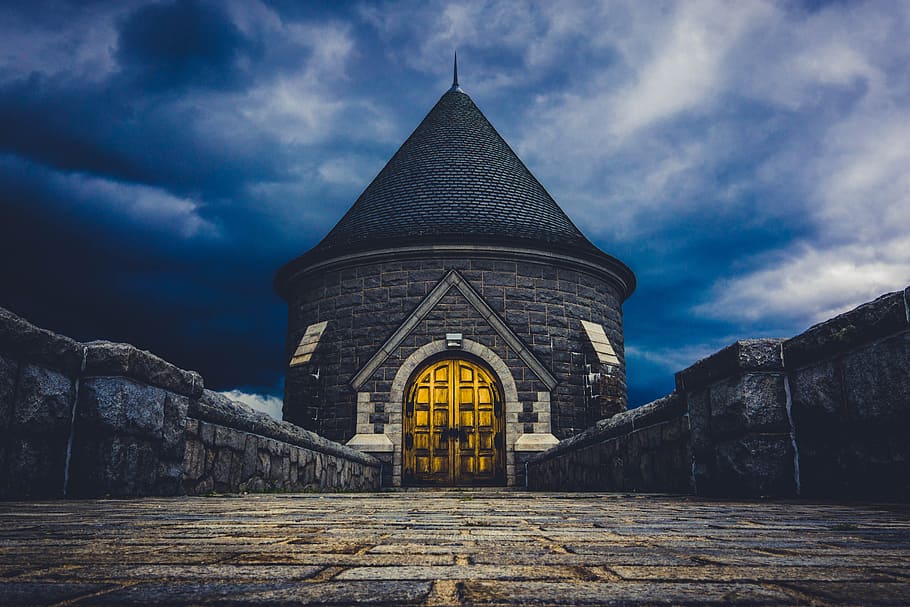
<point>453,430</point>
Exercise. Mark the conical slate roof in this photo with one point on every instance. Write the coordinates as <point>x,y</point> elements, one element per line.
<point>453,181</point>
<point>454,178</point>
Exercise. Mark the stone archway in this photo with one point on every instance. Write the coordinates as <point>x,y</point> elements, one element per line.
<point>453,424</point>
<point>394,431</point>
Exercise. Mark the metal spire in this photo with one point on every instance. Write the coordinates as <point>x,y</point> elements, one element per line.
<point>455,86</point>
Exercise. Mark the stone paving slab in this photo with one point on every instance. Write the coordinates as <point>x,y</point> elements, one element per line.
<point>453,548</point>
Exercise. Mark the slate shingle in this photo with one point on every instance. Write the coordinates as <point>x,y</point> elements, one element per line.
<point>453,179</point>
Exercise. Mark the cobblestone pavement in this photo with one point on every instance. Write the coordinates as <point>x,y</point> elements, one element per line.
<point>478,547</point>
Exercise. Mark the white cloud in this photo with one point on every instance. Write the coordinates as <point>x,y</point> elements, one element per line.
<point>811,284</point>
<point>300,106</point>
<point>149,206</point>
<point>855,179</point>
<point>79,43</point>
<point>268,404</point>
<point>687,69</point>
<point>145,207</point>
<point>754,115</point>
<point>672,360</point>
<point>348,170</point>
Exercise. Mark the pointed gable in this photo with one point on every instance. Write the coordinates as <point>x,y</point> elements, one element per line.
<point>453,280</point>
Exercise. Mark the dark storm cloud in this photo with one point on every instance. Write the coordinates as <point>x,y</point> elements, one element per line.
<point>124,205</point>
<point>186,43</point>
<point>160,159</point>
<point>110,129</point>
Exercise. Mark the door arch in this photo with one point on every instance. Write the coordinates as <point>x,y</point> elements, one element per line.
<point>453,425</point>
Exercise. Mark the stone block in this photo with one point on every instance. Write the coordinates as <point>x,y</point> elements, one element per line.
<point>34,443</point>
<point>207,433</point>
<point>264,466</point>
<point>105,358</point>
<point>44,399</point>
<point>34,466</point>
<point>170,477</point>
<point>24,341</point>
<point>742,356</point>
<point>108,358</point>
<point>121,405</point>
<point>9,371</point>
<point>229,438</point>
<point>865,324</point>
<point>236,473</point>
<point>173,428</point>
<point>193,460</point>
<point>877,382</point>
<point>250,456</point>
<point>221,470</point>
<point>816,393</point>
<point>753,402</point>
<point>752,466</point>
<point>111,464</point>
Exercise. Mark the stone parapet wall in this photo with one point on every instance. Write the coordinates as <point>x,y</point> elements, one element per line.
<point>823,414</point>
<point>100,418</point>
<point>232,448</point>
<point>742,439</point>
<point>645,449</point>
<point>849,381</point>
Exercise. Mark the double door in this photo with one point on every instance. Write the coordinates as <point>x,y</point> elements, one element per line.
<point>453,431</point>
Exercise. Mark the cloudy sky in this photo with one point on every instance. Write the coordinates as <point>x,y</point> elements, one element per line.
<point>159,161</point>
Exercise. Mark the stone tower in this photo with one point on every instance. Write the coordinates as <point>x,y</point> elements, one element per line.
<point>455,320</point>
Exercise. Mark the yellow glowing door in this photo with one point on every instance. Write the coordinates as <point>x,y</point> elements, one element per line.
<point>453,426</point>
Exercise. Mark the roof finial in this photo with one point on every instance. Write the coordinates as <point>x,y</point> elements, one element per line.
<point>455,86</point>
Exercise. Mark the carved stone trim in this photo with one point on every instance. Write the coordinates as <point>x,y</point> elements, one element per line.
<point>453,280</point>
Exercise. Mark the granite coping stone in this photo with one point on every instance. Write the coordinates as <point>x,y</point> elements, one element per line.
<point>882,317</point>
<point>218,409</point>
<point>747,355</point>
<point>105,358</point>
<point>23,340</point>
<point>663,409</point>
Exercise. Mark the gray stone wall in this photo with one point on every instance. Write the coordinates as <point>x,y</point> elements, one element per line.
<point>738,413</point>
<point>38,371</point>
<point>850,389</point>
<point>231,448</point>
<point>823,414</point>
<point>645,449</point>
<point>542,303</point>
<point>94,419</point>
